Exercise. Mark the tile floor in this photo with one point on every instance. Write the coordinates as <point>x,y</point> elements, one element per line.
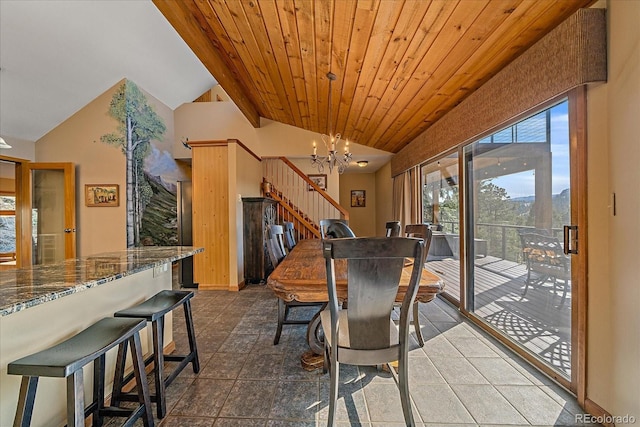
<point>460,377</point>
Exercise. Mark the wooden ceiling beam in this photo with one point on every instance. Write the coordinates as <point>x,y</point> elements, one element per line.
<point>182,19</point>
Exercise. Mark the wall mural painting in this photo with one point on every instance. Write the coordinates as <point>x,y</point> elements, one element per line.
<point>151,171</point>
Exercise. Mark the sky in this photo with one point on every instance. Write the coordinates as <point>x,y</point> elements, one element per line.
<point>522,184</point>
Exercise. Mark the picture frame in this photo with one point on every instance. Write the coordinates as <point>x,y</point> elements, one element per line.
<point>101,195</point>
<point>358,198</point>
<point>319,180</point>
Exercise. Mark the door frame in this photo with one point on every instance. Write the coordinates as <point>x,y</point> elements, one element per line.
<point>577,112</point>
<point>24,205</point>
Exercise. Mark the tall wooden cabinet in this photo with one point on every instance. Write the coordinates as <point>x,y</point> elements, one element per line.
<point>258,213</point>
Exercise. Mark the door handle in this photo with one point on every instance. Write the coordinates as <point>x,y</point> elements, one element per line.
<point>570,239</point>
<point>69,230</point>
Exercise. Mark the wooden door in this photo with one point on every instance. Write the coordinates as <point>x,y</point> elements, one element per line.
<point>46,222</point>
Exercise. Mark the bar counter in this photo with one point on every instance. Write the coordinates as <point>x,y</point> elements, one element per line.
<point>28,287</point>
<point>44,305</point>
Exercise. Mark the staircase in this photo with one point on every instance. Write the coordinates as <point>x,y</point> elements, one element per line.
<point>299,199</point>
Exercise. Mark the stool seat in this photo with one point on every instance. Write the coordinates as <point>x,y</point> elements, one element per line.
<point>153,310</point>
<point>63,359</point>
<point>67,359</point>
<point>157,306</point>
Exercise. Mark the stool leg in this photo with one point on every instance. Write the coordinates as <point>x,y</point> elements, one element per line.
<point>98,389</point>
<point>118,376</point>
<point>195,363</point>
<point>141,379</point>
<point>25,401</point>
<point>75,399</point>
<point>158,358</point>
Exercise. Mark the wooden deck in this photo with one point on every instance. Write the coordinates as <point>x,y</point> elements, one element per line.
<point>537,321</point>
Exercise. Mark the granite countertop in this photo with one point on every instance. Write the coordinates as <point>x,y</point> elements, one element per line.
<point>28,287</point>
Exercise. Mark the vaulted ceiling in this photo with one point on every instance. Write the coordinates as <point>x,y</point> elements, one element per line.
<point>400,64</point>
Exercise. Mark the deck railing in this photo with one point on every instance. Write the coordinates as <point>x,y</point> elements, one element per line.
<point>503,239</point>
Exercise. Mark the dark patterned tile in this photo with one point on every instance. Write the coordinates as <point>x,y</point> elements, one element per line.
<point>249,399</point>
<point>172,421</point>
<point>224,366</point>
<point>351,404</point>
<point>296,399</point>
<point>204,397</point>
<point>262,367</point>
<point>239,343</point>
<point>239,422</point>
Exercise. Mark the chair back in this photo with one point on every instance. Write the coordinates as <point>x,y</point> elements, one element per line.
<point>328,222</point>
<point>289,235</point>
<point>420,231</point>
<point>544,254</point>
<point>393,228</point>
<point>374,269</point>
<point>275,244</point>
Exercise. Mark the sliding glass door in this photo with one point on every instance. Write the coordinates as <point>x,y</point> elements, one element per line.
<point>441,209</point>
<point>519,233</point>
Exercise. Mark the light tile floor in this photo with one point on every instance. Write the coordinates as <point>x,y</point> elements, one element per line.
<point>461,377</point>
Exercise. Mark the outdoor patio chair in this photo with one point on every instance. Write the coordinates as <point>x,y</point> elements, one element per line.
<point>546,261</point>
<point>365,334</point>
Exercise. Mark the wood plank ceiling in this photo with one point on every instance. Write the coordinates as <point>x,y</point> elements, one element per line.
<point>400,64</point>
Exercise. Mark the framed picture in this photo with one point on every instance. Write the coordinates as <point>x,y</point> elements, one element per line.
<point>319,180</point>
<point>101,195</point>
<point>358,198</point>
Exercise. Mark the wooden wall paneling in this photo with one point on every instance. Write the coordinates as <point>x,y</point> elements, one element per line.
<point>210,177</point>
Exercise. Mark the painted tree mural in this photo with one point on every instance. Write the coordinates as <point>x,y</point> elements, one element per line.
<point>138,125</point>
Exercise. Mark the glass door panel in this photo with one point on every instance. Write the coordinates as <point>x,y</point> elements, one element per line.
<point>48,216</point>
<point>440,209</point>
<point>51,223</point>
<point>518,201</point>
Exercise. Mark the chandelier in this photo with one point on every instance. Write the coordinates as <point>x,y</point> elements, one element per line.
<point>331,142</point>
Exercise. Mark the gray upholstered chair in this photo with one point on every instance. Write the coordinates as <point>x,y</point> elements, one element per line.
<point>275,248</point>
<point>393,228</point>
<point>365,334</point>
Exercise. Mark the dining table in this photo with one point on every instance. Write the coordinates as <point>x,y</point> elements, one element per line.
<point>301,276</point>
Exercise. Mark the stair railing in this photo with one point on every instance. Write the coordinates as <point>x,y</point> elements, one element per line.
<point>300,200</point>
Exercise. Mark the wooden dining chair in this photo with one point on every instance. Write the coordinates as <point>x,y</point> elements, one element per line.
<point>420,231</point>
<point>365,334</point>
<point>393,228</point>
<point>276,251</point>
<point>331,228</point>
<point>275,244</point>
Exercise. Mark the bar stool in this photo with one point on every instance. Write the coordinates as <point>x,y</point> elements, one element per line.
<point>154,310</point>
<point>66,359</point>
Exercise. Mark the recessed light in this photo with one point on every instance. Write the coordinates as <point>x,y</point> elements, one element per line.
<point>362,163</point>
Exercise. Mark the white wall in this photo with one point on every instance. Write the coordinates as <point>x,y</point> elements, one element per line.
<point>617,375</point>
<point>20,149</point>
